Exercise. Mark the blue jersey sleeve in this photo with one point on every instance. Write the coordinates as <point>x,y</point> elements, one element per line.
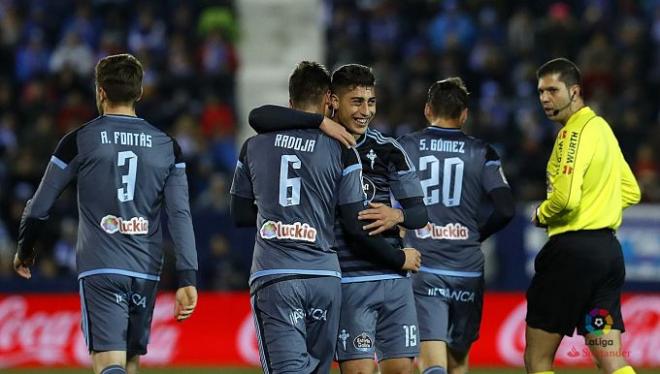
<point>242,183</point>
<point>350,187</point>
<point>492,174</point>
<point>61,170</point>
<point>404,182</point>
<point>179,220</point>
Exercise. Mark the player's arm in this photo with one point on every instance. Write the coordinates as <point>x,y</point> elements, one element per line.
<point>406,189</point>
<point>177,208</point>
<point>242,209</point>
<point>412,215</point>
<point>351,202</point>
<point>498,192</point>
<point>503,211</point>
<point>269,118</point>
<point>630,192</point>
<point>61,169</point>
<point>179,223</point>
<point>576,154</point>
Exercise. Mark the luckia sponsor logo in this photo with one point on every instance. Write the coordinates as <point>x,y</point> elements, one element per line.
<point>294,231</point>
<point>134,226</point>
<point>450,231</point>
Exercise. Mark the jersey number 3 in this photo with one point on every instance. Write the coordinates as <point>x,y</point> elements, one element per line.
<point>452,180</point>
<point>289,187</point>
<point>126,192</point>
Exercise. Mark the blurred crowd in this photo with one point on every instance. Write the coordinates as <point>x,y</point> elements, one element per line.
<point>48,50</point>
<point>496,46</point>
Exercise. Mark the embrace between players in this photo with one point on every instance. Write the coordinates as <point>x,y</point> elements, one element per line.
<point>357,299</point>
<point>350,290</point>
<point>331,275</point>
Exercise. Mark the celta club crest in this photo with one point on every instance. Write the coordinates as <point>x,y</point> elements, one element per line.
<point>372,157</point>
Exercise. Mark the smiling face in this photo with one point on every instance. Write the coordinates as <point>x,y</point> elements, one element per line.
<point>355,108</point>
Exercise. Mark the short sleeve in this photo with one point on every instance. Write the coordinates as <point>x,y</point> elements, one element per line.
<point>242,184</point>
<point>350,185</point>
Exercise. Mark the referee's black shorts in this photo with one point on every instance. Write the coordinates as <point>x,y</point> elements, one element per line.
<point>577,284</point>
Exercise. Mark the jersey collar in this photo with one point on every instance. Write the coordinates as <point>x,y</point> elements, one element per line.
<point>436,128</point>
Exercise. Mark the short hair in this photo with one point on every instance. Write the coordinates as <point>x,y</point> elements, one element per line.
<point>448,98</point>
<point>568,72</point>
<point>120,76</point>
<point>351,76</point>
<point>308,83</point>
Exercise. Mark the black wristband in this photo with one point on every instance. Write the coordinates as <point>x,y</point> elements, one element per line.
<point>186,278</point>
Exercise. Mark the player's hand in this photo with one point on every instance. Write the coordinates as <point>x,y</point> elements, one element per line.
<point>535,219</point>
<point>23,267</point>
<point>413,260</point>
<point>186,301</point>
<point>384,218</point>
<point>337,131</point>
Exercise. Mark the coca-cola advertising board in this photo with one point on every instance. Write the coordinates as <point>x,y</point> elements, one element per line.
<point>44,330</point>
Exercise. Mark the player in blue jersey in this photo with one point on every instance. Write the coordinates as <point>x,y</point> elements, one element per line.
<point>296,178</point>
<point>127,172</point>
<point>378,313</point>
<point>457,172</point>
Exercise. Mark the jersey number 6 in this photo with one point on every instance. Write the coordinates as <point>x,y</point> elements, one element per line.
<point>289,187</point>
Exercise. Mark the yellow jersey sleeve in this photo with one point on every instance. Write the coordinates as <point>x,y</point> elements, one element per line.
<point>572,155</point>
<point>630,192</point>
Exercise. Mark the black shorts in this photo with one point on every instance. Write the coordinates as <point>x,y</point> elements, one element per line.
<point>578,281</point>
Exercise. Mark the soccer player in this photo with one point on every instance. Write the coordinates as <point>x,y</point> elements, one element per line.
<point>297,178</point>
<point>378,312</point>
<point>580,270</point>
<point>126,172</point>
<point>457,173</point>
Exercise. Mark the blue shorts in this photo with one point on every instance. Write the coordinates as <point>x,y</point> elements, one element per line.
<point>449,308</point>
<point>296,318</point>
<point>378,317</point>
<point>116,312</point>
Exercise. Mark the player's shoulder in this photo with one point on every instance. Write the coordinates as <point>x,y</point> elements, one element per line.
<point>411,137</point>
<point>382,141</point>
<point>489,152</point>
<point>389,148</point>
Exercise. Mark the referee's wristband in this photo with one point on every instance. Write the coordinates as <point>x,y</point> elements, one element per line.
<point>186,278</point>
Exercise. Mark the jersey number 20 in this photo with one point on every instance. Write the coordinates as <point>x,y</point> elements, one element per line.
<point>289,187</point>
<point>126,192</point>
<point>452,180</point>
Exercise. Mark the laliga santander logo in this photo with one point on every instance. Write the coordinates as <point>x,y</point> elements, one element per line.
<point>598,322</point>
<point>295,231</point>
<point>641,341</point>
<point>55,338</point>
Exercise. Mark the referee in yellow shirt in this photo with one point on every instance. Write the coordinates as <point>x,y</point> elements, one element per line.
<point>580,270</point>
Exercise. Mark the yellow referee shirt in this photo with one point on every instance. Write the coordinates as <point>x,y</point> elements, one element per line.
<point>589,181</point>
